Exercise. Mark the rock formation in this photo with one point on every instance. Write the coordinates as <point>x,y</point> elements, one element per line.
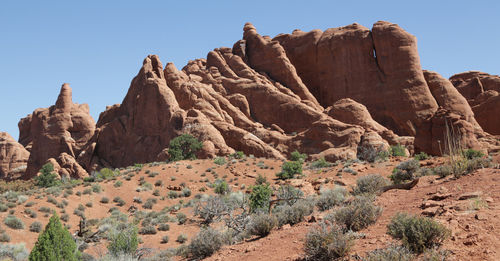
<point>481,91</point>
<point>13,157</point>
<point>267,97</point>
<point>62,128</point>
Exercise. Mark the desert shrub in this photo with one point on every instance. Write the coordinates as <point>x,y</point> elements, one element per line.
<point>472,154</point>
<point>104,200</point>
<point>14,252</point>
<point>54,243</point>
<point>164,239</point>
<point>47,178</point>
<point>186,192</point>
<point>290,169</point>
<point>405,171</point>
<point>181,238</point>
<point>221,187</point>
<point>65,217</point>
<point>443,170</point>
<point>118,184</point>
<point>398,150</point>
<point>417,233</point>
<point>36,227</point>
<point>106,173</point>
<point>211,209</point>
<point>435,254</point>
<point>326,242</point>
<point>87,191</point>
<point>297,156</point>
<point>358,214</point>
<point>96,188</point>
<point>370,184</point>
<point>205,243</point>
<point>421,156</point>
<point>150,202</point>
<point>261,224</point>
<point>320,163</point>
<point>51,200</point>
<point>13,222</point>
<point>4,237</point>
<point>372,153</point>
<point>183,147</point>
<point>3,207</point>
<point>173,194</point>
<point>89,204</point>
<point>330,198</point>
<point>288,194</point>
<point>31,213</point>
<point>122,239</point>
<point>390,253</point>
<point>238,155</point>
<point>294,214</point>
<point>119,201</point>
<point>158,183</point>
<point>181,218</point>
<point>147,230</point>
<point>164,227</point>
<point>260,196</point>
<point>220,161</point>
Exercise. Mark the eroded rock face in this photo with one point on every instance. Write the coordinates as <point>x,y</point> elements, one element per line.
<point>481,91</point>
<point>13,157</point>
<point>65,127</point>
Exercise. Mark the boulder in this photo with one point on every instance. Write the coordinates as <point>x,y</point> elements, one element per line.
<point>13,157</point>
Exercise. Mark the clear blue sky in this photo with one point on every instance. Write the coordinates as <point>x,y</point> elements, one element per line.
<point>98,46</point>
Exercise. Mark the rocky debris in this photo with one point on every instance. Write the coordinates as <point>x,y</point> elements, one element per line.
<point>65,127</point>
<point>481,91</point>
<point>470,195</point>
<point>67,167</point>
<point>13,157</point>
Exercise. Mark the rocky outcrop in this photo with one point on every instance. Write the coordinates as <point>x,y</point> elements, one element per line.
<point>13,157</point>
<point>267,97</point>
<point>65,127</point>
<point>482,93</point>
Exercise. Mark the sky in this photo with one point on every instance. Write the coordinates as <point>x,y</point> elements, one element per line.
<point>98,46</point>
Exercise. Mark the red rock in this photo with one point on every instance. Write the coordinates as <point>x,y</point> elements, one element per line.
<point>65,127</point>
<point>13,157</point>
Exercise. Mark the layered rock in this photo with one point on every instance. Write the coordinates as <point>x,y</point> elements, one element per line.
<point>13,157</point>
<point>482,93</point>
<point>65,127</point>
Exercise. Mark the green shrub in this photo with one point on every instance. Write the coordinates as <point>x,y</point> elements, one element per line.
<point>398,150</point>
<point>294,214</point>
<point>443,170</point>
<point>104,200</point>
<point>106,173</point>
<point>123,240</point>
<point>260,180</point>
<point>4,237</point>
<point>164,239</point>
<point>220,161</point>
<point>421,156</point>
<point>47,178</point>
<point>472,154</point>
<point>290,169</point>
<point>330,198</point>
<point>164,227</point>
<point>45,210</point>
<point>54,243</point>
<point>297,156</point>
<point>183,147</point>
<point>288,195</point>
<point>404,171</point>
<point>373,153</point>
<point>261,224</point>
<point>181,238</point>
<point>320,163</point>
<point>147,230</point>
<point>221,187</point>
<point>358,214</point>
<point>13,252</point>
<point>237,155</point>
<point>390,253</point>
<point>327,242</point>
<point>36,227</point>
<point>370,184</point>
<point>96,188</point>
<point>181,218</point>
<point>259,197</point>
<point>205,243</point>
<point>118,184</point>
<point>186,192</point>
<point>417,233</point>
<point>3,207</point>
<point>13,222</point>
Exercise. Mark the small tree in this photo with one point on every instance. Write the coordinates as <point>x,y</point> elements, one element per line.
<point>259,198</point>
<point>290,169</point>
<point>47,177</point>
<point>183,147</point>
<point>54,243</point>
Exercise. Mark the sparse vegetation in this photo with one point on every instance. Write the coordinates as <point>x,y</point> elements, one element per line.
<point>421,156</point>
<point>405,171</point>
<point>327,242</point>
<point>297,156</point>
<point>261,224</point>
<point>358,214</point>
<point>220,161</point>
<point>370,184</point>
<point>13,222</point>
<point>417,233</point>
<point>398,150</point>
<point>221,187</point>
<point>390,253</point>
<point>330,198</point>
<point>320,163</point>
<point>205,243</point>
<point>36,227</point>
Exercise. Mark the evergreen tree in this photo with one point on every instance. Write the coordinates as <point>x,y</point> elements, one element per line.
<point>47,177</point>
<point>184,147</point>
<point>54,243</point>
